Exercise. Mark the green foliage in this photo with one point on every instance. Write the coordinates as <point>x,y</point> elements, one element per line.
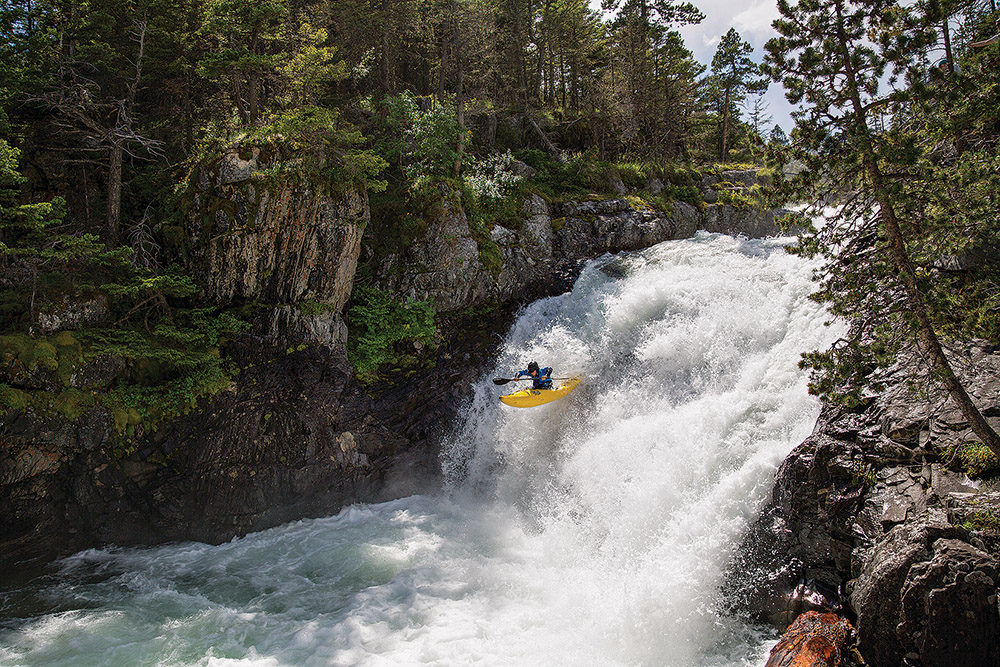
<point>31,240</point>
<point>982,520</point>
<point>420,143</point>
<point>132,405</point>
<point>166,370</point>
<point>308,142</point>
<point>245,49</point>
<point>378,322</point>
<point>846,373</point>
<point>891,252</point>
<point>978,460</point>
<point>746,198</point>
<point>312,308</point>
<point>584,174</point>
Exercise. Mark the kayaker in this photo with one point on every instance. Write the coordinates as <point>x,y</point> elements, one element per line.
<point>542,377</point>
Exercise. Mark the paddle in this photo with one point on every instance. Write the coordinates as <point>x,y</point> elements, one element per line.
<point>506,380</point>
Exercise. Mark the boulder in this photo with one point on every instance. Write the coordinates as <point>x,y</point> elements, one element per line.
<point>733,220</point>
<point>816,640</point>
<point>927,595</point>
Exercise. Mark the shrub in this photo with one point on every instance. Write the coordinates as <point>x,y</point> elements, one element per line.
<point>378,321</point>
<point>978,460</point>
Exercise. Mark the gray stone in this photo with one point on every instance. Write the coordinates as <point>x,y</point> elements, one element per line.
<point>288,326</point>
<point>522,170</point>
<point>73,311</point>
<point>285,246</point>
<point>234,169</point>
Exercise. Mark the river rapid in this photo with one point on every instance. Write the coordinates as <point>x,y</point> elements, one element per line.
<point>592,531</point>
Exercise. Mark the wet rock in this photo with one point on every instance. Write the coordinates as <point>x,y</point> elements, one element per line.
<point>868,507</point>
<point>288,326</point>
<point>752,222</point>
<point>816,640</point>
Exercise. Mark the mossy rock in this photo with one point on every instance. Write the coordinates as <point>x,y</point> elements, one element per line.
<point>14,346</point>
<point>13,399</point>
<point>73,403</point>
<point>45,355</point>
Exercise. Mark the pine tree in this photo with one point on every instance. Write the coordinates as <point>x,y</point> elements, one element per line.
<point>245,50</point>
<point>735,75</point>
<point>834,57</point>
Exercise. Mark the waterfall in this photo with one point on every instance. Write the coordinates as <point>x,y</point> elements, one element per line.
<point>594,530</point>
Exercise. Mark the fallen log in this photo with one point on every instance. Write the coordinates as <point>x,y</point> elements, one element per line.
<point>816,640</point>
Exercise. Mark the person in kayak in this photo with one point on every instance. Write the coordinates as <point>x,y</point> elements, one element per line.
<point>542,377</point>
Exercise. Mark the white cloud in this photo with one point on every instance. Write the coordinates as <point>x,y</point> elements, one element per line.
<point>754,22</point>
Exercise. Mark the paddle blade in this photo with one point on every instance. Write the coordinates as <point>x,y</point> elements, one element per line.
<point>502,380</point>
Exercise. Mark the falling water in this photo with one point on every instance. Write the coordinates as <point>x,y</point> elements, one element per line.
<point>591,531</point>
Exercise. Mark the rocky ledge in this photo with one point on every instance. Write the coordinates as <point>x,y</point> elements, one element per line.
<point>873,517</point>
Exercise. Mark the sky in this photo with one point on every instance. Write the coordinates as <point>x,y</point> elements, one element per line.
<point>752,19</point>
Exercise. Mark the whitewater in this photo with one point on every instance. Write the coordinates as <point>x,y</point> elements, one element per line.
<point>592,531</point>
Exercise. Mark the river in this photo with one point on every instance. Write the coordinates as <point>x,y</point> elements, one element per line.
<point>592,531</point>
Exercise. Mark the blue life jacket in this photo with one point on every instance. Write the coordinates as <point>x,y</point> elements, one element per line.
<point>540,382</point>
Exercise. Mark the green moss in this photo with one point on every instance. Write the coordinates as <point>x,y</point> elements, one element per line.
<point>73,403</point>
<point>60,353</point>
<point>16,346</point>
<point>12,399</point>
<point>982,520</point>
<point>165,371</point>
<point>44,355</point>
<point>489,255</point>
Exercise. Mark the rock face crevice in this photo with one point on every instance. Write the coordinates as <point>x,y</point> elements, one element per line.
<point>869,517</point>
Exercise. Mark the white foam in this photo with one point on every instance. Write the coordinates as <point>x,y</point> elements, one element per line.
<point>590,531</point>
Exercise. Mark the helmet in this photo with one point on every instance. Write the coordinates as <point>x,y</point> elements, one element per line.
<point>533,367</point>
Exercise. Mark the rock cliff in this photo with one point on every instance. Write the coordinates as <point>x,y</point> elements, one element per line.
<point>546,250</point>
<point>873,517</point>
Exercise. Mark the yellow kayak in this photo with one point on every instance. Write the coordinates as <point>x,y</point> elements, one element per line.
<point>529,398</point>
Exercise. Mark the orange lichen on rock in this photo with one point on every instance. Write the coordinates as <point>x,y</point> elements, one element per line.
<point>815,640</point>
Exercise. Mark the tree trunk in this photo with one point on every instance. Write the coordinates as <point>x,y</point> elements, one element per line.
<point>383,68</point>
<point>253,84</point>
<point>725,129</point>
<point>927,337</point>
<point>947,45</point>
<point>459,94</point>
<point>562,77</point>
<point>444,65</point>
<point>111,224</point>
